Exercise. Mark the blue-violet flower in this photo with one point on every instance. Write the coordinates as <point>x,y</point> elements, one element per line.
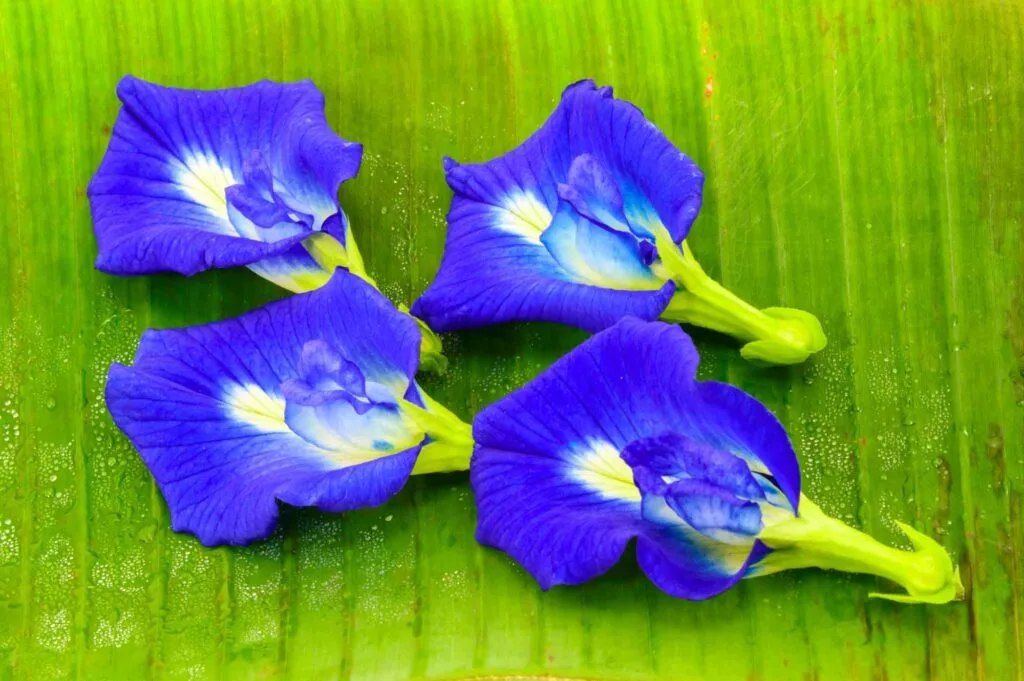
<point>618,440</point>
<point>583,224</point>
<point>310,401</point>
<point>201,179</point>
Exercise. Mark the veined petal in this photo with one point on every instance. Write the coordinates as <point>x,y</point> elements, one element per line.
<point>552,490</point>
<point>615,388</point>
<point>618,440</point>
<point>523,503</point>
<point>687,565</point>
<point>494,271</point>
<point>593,254</point>
<point>674,457</point>
<point>593,193</point>
<point>578,202</point>
<point>739,424</point>
<point>207,408</point>
<point>714,511</point>
<point>657,182</point>
<point>199,179</point>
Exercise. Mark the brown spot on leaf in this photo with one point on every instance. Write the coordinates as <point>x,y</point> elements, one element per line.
<point>994,451</point>
<point>967,577</point>
<point>977,541</point>
<point>709,86</point>
<point>1015,536</point>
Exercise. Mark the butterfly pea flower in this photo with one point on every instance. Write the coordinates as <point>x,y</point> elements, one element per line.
<point>583,224</point>
<point>309,401</point>
<point>618,441</point>
<point>248,176</point>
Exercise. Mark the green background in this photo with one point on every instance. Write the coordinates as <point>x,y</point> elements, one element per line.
<point>863,161</point>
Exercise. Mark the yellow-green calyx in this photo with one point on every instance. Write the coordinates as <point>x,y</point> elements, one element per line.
<point>451,439</point>
<point>432,357</point>
<point>330,254</point>
<point>774,335</point>
<point>813,539</point>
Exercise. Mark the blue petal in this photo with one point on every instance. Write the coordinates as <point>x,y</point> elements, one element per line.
<point>617,387</point>
<point>263,213</point>
<point>492,275</point>
<point>675,455</point>
<point>708,508</point>
<point>495,267</point>
<point>683,567</point>
<point>552,482</point>
<point>738,423</point>
<point>539,511</point>
<point>592,254</point>
<point>657,182</point>
<point>342,424</point>
<point>685,563</point>
<point>550,486</point>
<point>325,369</point>
<point>160,201</point>
<point>593,193</point>
<point>205,408</point>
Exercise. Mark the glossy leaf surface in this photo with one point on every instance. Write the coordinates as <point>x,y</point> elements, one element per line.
<point>863,162</point>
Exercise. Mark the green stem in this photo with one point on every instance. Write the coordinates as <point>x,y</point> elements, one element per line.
<point>813,539</point>
<point>774,335</point>
<point>451,445</point>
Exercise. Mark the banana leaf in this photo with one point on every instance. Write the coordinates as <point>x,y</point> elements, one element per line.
<point>863,162</point>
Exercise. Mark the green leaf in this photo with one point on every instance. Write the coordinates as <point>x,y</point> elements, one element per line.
<point>863,163</point>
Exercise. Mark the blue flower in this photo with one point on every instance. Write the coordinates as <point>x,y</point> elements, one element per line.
<point>309,401</point>
<point>249,176</point>
<point>619,441</point>
<point>584,224</point>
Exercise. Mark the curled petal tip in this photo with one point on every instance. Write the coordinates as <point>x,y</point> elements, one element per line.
<point>449,163</point>
<point>582,84</point>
